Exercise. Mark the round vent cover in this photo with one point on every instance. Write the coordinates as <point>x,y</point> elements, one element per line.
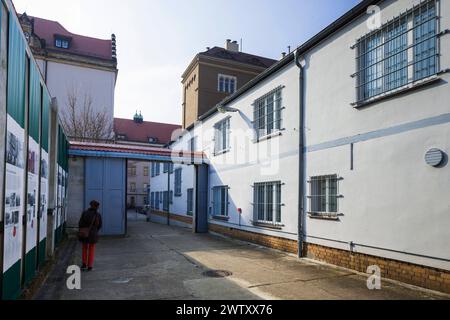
<point>434,157</point>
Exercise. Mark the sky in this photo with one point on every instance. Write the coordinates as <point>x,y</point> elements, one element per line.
<point>157,39</point>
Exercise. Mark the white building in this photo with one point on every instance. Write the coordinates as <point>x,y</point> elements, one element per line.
<point>374,173</point>
<point>74,65</point>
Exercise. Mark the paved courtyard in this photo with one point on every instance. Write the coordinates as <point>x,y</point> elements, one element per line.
<point>161,262</point>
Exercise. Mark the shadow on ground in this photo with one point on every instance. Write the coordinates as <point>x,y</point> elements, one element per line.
<point>162,262</point>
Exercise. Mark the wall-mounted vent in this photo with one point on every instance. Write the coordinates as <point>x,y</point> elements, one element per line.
<point>434,157</point>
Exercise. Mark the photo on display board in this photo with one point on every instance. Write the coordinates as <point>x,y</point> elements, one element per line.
<point>14,150</point>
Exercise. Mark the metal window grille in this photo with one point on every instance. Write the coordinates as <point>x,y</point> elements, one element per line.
<point>166,201</point>
<point>399,53</point>
<point>190,202</point>
<point>157,200</point>
<point>178,182</point>
<point>267,113</point>
<point>220,201</point>
<point>267,202</point>
<point>152,200</point>
<point>324,194</point>
<point>222,136</point>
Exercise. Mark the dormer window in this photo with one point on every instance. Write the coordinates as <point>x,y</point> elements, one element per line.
<point>62,43</point>
<point>152,140</point>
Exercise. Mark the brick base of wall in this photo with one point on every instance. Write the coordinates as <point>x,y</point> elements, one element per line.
<point>278,243</point>
<point>421,276</point>
<point>173,217</point>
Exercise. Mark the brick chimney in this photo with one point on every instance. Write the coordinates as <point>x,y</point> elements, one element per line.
<point>232,45</point>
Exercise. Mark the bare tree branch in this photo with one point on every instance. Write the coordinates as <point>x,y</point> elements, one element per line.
<point>83,122</point>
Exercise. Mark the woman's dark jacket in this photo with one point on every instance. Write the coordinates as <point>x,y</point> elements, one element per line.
<point>86,220</point>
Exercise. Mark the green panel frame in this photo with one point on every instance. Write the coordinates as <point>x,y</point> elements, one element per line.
<point>35,103</point>
<point>16,72</point>
<point>45,119</point>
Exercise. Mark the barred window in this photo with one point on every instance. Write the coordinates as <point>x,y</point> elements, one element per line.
<point>166,201</point>
<point>155,169</point>
<point>401,52</point>
<point>156,201</point>
<point>222,136</point>
<point>324,195</point>
<point>267,202</point>
<point>178,182</point>
<point>190,202</point>
<point>152,200</point>
<point>220,201</point>
<point>267,113</point>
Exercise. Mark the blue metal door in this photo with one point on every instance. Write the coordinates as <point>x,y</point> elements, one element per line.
<point>201,203</point>
<point>105,182</point>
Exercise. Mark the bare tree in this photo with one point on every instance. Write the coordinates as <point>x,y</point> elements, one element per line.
<point>82,122</point>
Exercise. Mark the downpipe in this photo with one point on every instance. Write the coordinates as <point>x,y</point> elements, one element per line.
<point>301,162</point>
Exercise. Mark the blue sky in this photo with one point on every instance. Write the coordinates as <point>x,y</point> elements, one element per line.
<point>157,39</point>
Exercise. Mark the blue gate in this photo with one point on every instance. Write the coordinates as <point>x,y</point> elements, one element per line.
<point>105,180</point>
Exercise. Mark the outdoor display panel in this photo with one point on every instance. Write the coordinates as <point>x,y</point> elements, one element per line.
<point>15,163</point>
<point>44,189</point>
<point>33,165</point>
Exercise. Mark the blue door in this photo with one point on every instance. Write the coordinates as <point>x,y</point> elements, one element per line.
<point>105,182</point>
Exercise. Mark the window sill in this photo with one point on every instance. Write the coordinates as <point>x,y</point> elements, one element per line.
<point>269,136</point>
<point>221,218</point>
<point>221,152</point>
<point>402,90</point>
<point>324,216</point>
<point>268,225</point>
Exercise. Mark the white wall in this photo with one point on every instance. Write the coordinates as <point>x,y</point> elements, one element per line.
<point>64,78</point>
<point>239,169</point>
<point>392,200</point>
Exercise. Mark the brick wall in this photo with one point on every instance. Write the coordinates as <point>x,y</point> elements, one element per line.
<point>426,277</point>
<point>265,240</point>
<point>174,217</point>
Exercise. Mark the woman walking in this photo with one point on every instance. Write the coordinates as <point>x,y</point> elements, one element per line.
<point>89,226</point>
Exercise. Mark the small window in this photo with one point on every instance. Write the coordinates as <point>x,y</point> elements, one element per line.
<point>220,201</point>
<point>62,43</point>
<point>165,167</point>
<point>267,114</point>
<point>178,182</point>
<point>132,187</point>
<point>190,202</point>
<point>267,203</point>
<point>145,171</point>
<point>132,171</point>
<point>323,195</point>
<point>227,84</point>
<point>222,136</point>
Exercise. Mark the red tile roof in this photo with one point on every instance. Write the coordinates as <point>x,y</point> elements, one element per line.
<point>141,132</point>
<point>241,57</point>
<point>87,46</point>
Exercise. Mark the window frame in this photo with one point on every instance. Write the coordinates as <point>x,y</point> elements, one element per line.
<point>190,202</point>
<point>397,72</point>
<point>260,189</point>
<point>224,82</point>
<point>224,202</point>
<point>331,199</point>
<point>219,135</point>
<point>261,114</point>
<point>178,182</point>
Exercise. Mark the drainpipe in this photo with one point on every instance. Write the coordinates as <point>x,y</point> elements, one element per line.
<point>301,158</point>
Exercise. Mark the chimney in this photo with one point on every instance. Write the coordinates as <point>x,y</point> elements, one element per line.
<point>232,46</point>
<point>283,55</point>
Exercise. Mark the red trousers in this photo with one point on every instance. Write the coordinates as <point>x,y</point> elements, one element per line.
<point>88,254</point>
